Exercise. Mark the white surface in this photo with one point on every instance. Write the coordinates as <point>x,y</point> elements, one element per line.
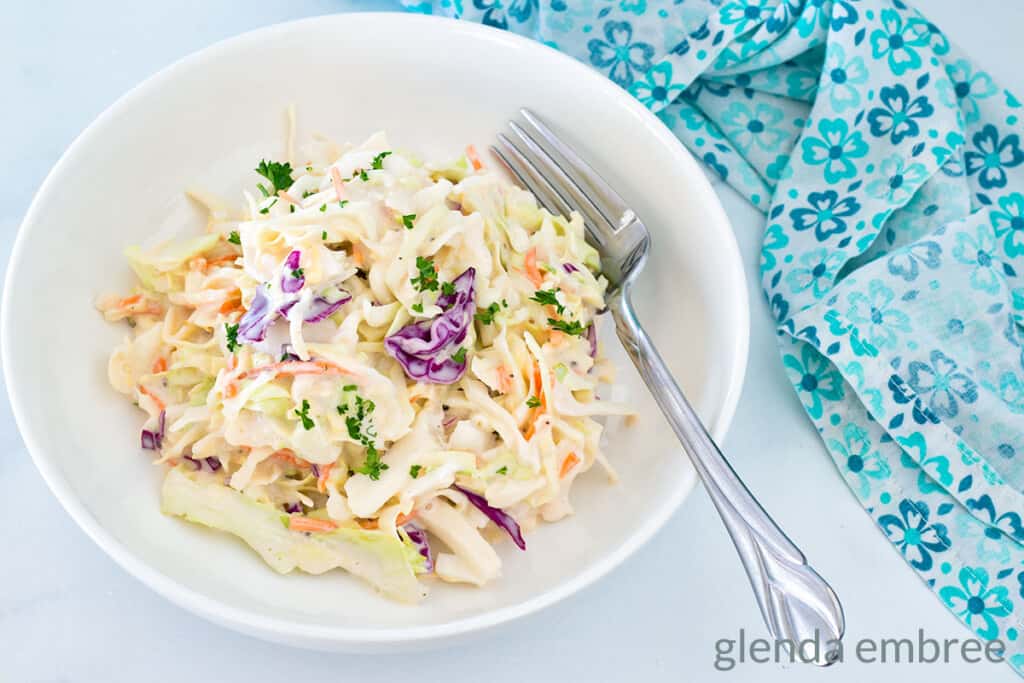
<point>68,613</point>
<point>94,464</point>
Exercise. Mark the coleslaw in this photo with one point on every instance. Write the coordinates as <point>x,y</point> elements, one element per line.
<point>378,364</point>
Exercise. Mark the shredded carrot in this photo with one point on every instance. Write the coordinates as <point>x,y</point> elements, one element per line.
<point>232,362</point>
<point>129,301</point>
<point>339,187</point>
<point>156,399</point>
<point>403,518</point>
<point>288,198</point>
<point>474,158</point>
<point>198,263</point>
<point>530,265</point>
<point>159,365</point>
<point>367,524</point>
<point>321,481</point>
<point>539,410</point>
<point>226,258</point>
<point>230,390</point>
<point>570,461</point>
<point>310,524</point>
<point>556,337</point>
<point>289,455</point>
<point>504,379</point>
<point>298,367</point>
<point>231,305</point>
<point>357,255</point>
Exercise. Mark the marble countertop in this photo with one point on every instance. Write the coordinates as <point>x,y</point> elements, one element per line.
<point>68,613</point>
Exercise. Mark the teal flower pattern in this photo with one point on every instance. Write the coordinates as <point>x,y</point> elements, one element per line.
<point>977,602</point>
<point>815,379</point>
<point>890,169</point>
<point>876,313</point>
<point>835,147</point>
<point>896,42</point>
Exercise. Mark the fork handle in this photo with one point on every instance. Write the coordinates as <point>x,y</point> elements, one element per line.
<point>796,603</point>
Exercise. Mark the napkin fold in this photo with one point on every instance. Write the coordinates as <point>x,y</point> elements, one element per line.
<point>890,170</point>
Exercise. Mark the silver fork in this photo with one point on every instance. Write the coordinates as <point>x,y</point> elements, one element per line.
<point>796,603</point>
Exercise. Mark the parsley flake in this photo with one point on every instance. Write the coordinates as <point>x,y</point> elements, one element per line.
<point>307,421</point>
<point>378,161</point>
<point>234,237</point>
<point>418,307</point>
<point>279,175</point>
<point>231,331</point>
<point>547,297</point>
<point>266,208</point>
<point>323,208</point>
<point>427,279</point>
<point>573,327</point>
<point>297,273</point>
<point>460,355</point>
<point>448,289</point>
<point>414,471</point>
<point>502,470</point>
<point>342,203</point>
<point>533,402</point>
<point>323,235</point>
<point>486,316</point>
<point>407,220</point>
<point>358,421</point>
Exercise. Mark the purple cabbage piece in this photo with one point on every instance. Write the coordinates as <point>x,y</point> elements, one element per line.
<point>198,464</point>
<point>592,338</point>
<point>253,325</point>
<point>424,349</point>
<point>289,282</point>
<point>153,441</point>
<point>288,353</point>
<point>324,305</point>
<point>499,517</point>
<point>316,470</point>
<point>212,463</point>
<point>418,537</point>
<point>570,268</point>
<point>293,507</point>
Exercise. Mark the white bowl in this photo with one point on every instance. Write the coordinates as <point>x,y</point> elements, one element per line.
<point>434,85</point>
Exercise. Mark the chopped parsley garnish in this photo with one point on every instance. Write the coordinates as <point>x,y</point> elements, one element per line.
<point>279,175</point>
<point>323,235</point>
<point>372,466</point>
<point>234,237</point>
<point>307,193</point>
<point>448,289</point>
<point>361,174</point>
<point>232,337</point>
<point>342,203</point>
<point>502,470</point>
<point>303,413</point>
<point>486,316</point>
<point>323,209</point>
<point>460,355</point>
<point>378,161</point>
<point>297,273</point>
<point>427,279</point>
<point>533,402</point>
<point>407,220</point>
<point>291,208</point>
<point>573,327</point>
<point>414,471</point>
<point>266,208</point>
<point>349,387</point>
<point>418,307</point>
<point>357,412</point>
<point>547,297</point>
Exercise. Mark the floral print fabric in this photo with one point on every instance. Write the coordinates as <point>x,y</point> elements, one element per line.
<point>890,170</point>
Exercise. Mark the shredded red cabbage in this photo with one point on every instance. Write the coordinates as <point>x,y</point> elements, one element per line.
<point>499,517</point>
<point>292,278</point>
<point>253,326</point>
<point>154,440</point>
<point>592,338</point>
<point>569,268</point>
<point>425,348</point>
<point>418,537</point>
<point>292,507</point>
